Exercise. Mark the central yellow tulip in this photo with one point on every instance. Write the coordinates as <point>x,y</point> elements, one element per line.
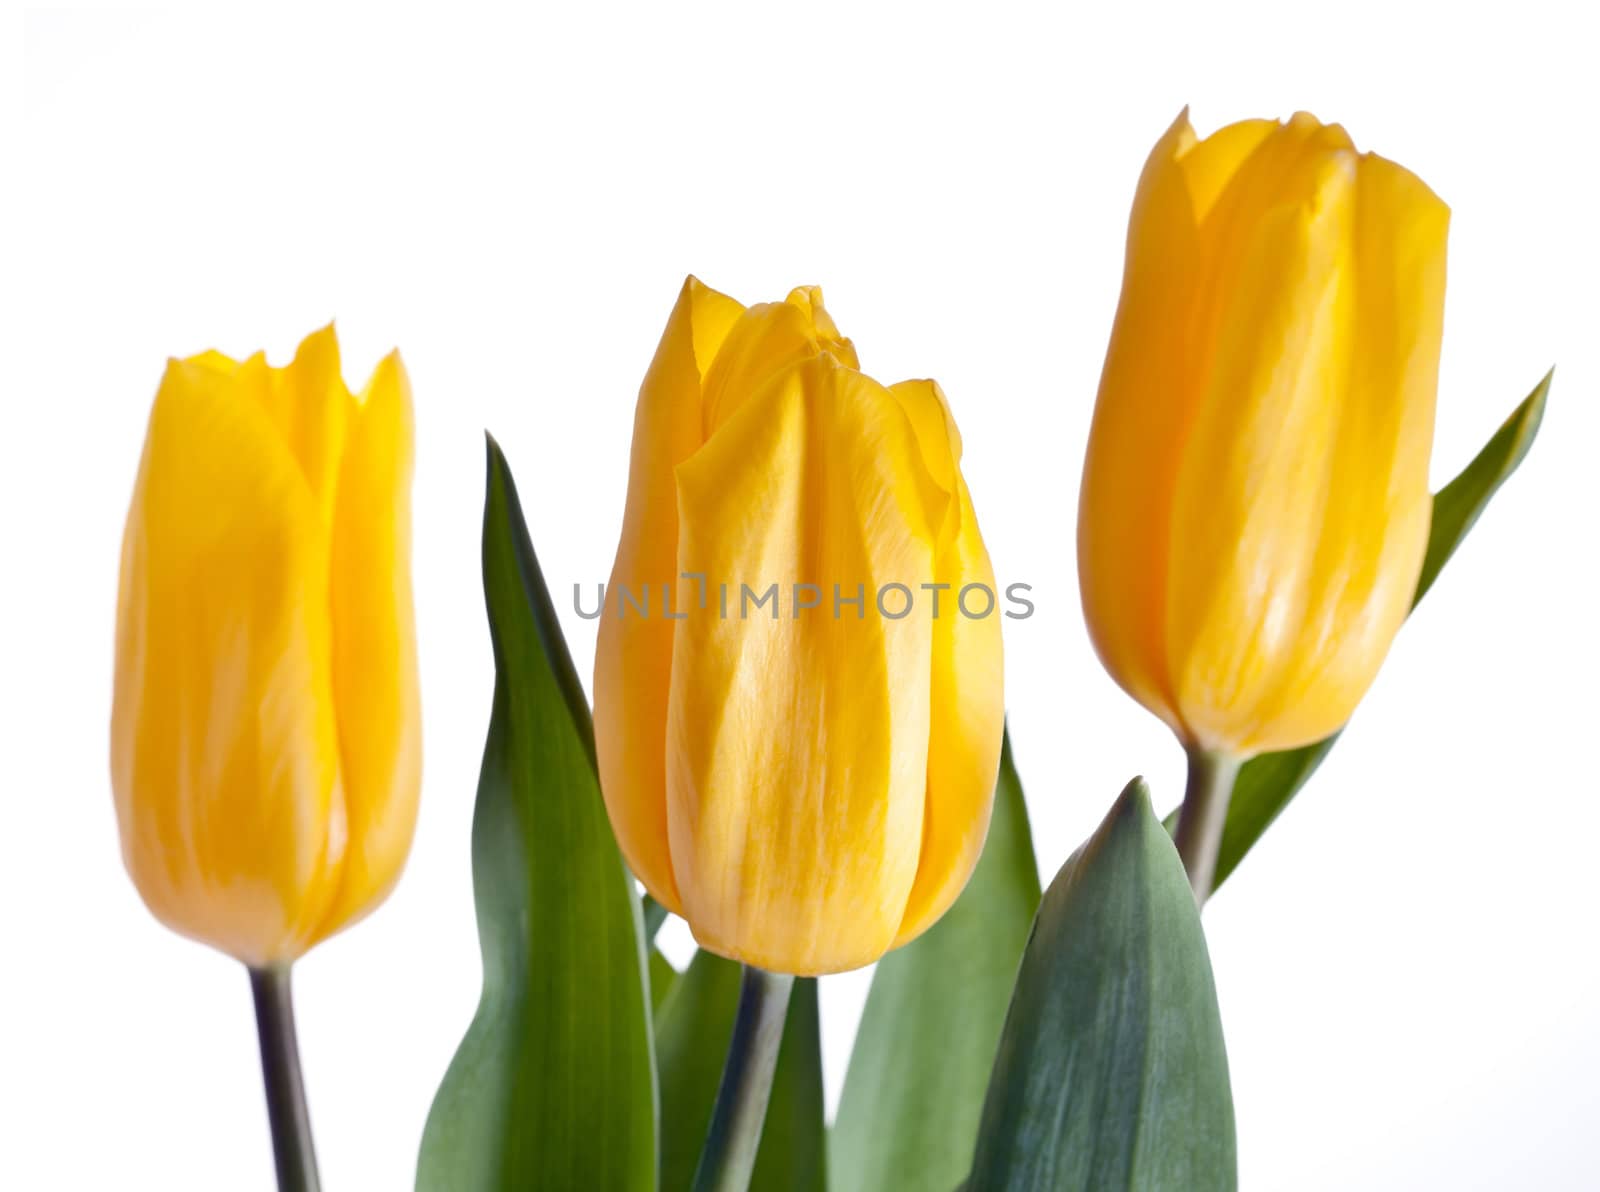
<point>807,782</point>
<point>1255,500</point>
<point>266,736</point>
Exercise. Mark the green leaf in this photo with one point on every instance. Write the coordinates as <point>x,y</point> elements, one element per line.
<point>694,1028</point>
<point>692,1035</point>
<point>1111,1072</point>
<point>1267,783</point>
<point>654,916</point>
<point>662,978</point>
<point>1457,505</point>
<point>794,1141</point>
<point>908,1116</point>
<point>552,1087</point>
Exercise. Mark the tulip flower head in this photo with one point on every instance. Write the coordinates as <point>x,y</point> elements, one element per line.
<point>807,781</point>
<point>265,737</point>
<point>1255,503</point>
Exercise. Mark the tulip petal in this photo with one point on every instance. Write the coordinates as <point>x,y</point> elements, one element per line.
<point>1136,441</point>
<point>798,743</point>
<point>633,655</point>
<point>768,338</point>
<point>937,437</point>
<point>1374,523</point>
<point>374,645</point>
<point>225,760</point>
<point>1254,479</point>
<point>809,300</point>
<point>1210,165</point>
<point>311,407</point>
<point>1193,197</point>
<point>967,701</point>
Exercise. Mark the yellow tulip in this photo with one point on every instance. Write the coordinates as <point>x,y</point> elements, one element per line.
<point>1255,501</point>
<point>265,736</point>
<point>808,786</point>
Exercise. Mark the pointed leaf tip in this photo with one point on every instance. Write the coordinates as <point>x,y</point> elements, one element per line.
<point>1137,791</point>
<point>1111,1071</point>
<point>553,1085</point>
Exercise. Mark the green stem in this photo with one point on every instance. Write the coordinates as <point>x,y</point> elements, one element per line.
<point>292,1151</point>
<point>735,1134</point>
<point>1205,811</point>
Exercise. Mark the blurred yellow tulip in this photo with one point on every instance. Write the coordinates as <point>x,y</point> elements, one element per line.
<point>808,782</point>
<point>1255,501</point>
<point>266,736</point>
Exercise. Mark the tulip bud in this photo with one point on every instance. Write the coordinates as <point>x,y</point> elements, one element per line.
<point>1255,501</point>
<point>807,783</point>
<point>265,735</point>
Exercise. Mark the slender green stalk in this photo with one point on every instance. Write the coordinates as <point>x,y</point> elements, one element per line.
<point>1205,811</point>
<point>292,1151</point>
<point>735,1134</point>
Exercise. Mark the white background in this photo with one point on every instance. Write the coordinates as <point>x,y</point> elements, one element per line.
<point>1407,967</point>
